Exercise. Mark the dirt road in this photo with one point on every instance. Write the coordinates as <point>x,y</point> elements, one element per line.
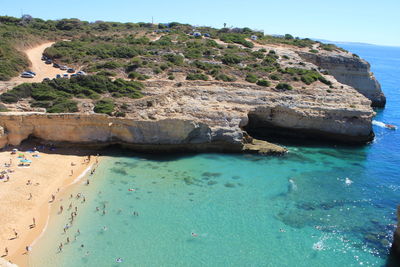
<point>42,70</point>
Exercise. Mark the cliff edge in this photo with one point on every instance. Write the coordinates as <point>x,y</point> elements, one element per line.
<point>350,70</point>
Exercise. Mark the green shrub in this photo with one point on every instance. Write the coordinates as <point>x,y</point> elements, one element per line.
<point>275,77</point>
<point>63,106</point>
<point>197,76</point>
<point>284,86</point>
<point>171,77</point>
<point>251,78</point>
<point>230,59</point>
<point>105,106</point>
<point>137,76</point>
<point>106,73</point>
<point>263,83</point>
<point>175,59</point>
<point>225,78</point>
<point>313,51</point>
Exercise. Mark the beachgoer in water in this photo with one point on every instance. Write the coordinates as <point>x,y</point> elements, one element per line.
<point>194,234</point>
<point>119,260</point>
<point>87,182</point>
<point>78,232</point>
<point>104,212</point>
<point>71,196</point>
<point>104,228</point>
<point>70,206</point>
<point>76,209</point>
<point>97,209</point>
<point>282,230</point>
<point>84,199</point>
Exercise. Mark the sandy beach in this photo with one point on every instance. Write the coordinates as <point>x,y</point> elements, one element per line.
<point>26,196</point>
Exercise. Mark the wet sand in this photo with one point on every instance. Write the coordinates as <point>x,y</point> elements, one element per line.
<point>24,202</point>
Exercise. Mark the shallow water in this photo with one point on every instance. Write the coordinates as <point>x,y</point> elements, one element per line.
<point>316,206</point>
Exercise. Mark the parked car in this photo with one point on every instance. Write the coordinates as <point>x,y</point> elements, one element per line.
<point>44,57</point>
<point>55,65</point>
<point>71,70</point>
<point>30,72</point>
<point>48,61</point>
<point>58,76</point>
<point>46,79</point>
<point>81,72</point>
<point>27,75</point>
<point>65,75</point>
<point>63,67</point>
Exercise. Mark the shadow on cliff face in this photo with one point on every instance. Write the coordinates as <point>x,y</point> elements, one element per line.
<point>393,260</point>
<point>101,149</point>
<point>262,129</point>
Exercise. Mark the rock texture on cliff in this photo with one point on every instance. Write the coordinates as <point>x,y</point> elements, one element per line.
<point>396,238</point>
<point>350,70</point>
<point>203,116</point>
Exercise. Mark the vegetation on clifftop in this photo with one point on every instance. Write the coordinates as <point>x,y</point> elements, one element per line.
<point>57,95</point>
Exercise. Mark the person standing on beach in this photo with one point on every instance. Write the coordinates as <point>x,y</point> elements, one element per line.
<point>30,196</point>
<point>6,252</point>
<point>61,209</point>
<point>34,222</point>
<point>15,233</point>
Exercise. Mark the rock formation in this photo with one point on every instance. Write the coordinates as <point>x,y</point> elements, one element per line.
<point>396,238</point>
<point>203,116</point>
<point>350,70</point>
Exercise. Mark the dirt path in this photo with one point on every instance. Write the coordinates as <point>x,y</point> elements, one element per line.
<point>42,70</point>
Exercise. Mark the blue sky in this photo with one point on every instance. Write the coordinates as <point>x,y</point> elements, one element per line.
<point>368,21</point>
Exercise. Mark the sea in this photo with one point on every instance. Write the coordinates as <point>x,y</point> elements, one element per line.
<point>319,205</point>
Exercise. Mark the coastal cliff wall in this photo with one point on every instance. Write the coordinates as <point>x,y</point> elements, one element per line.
<point>349,126</point>
<point>97,129</point>
<point>350,70</point>
<point>396,238</point>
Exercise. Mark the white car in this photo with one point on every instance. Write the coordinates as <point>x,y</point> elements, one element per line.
<point>27,75</point>
<point>63,67</point>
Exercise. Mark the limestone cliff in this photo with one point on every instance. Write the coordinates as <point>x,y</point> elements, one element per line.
<point>204,116</point>
<point>350,70</point>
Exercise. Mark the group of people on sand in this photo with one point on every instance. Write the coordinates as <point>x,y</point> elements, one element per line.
<point>74,213</point>
<point>74,209</point>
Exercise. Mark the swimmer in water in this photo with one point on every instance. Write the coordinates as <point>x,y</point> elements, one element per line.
<point>104,228</point>
<point>194,234</point>
<point>119,260</point>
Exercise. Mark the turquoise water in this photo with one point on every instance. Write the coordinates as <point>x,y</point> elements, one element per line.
<point>316,206</point>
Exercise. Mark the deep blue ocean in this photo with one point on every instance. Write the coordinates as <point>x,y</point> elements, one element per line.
<point>320,205</point>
